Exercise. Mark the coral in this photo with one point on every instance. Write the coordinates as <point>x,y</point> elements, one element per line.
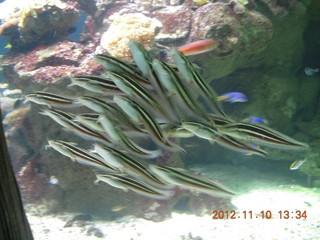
<point>125,27</point>
<point>33,185</point>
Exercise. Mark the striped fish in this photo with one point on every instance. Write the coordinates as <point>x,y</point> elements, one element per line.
<point>141,114</point>
<point>96,104</point>
<point>136,90</point>
<point>176,87</point>
<point>97,84</point>
<point>128,183</point>
<point>122,68</point>
<point>207,131</point>
<point>50,99</point>
<point>126,163</point>
<point>220,120</point>
<point>79,155</point>
<point>177,132</point>
<point>100,106</point>
<point>191,76</point>
<point>68,121</point>
<point>188,180</point>
<point>240,146</point>
<point>116,65</point>
<point>120,138</point>
<point>261,135</point>
<point>144,62</point>
<point>202,130</point>
<point>90,120</point>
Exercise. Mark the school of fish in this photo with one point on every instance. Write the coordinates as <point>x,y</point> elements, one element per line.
<point>151,100</point>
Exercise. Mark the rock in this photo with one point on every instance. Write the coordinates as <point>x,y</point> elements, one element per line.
<point>240,36</point>
<point>39,22</point>
<point>48,64</point>
<point>175,21</point>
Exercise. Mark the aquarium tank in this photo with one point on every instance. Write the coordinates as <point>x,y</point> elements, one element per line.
<point>164,119</point>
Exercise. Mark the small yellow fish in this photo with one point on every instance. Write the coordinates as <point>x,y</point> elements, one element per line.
<point>297,164</point>
<point>118,208</point>
<point>8,46</point>
<point>200,2</point>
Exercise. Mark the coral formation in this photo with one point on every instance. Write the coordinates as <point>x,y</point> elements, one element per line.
<point>125,27</point>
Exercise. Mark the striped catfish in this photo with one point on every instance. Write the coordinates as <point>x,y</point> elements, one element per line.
<point>80,155</point>
<point>188,180</point>
<point>144,62</point>
<point>97,84</point>
<point>118,66</point>
<point>50,99</point>
<point>139,113</point>
<point>175,87</point>
<point>68,121</point>
<point>261,135</point>
<point>211,133</point>
<point>120,138</point>
<point>136,90</point>
<point>190,74</point>
<point>127,164</point>
<point>126,183</point>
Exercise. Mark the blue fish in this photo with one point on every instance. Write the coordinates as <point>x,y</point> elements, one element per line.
<point>311,71</point>
<point>233,97</point>
<point>255,119</point>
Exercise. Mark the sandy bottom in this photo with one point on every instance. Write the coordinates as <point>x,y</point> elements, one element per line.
<point>257,217</point>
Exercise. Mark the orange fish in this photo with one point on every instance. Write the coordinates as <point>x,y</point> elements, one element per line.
<point>198,47</point>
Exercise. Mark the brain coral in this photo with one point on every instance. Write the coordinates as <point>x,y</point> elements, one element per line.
<point>125,27</point>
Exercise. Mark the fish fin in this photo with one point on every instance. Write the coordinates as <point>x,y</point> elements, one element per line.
<point>221,98</point>
<point>96,182</point>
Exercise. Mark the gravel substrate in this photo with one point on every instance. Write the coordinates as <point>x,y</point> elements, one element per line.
<point>247,225</point>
